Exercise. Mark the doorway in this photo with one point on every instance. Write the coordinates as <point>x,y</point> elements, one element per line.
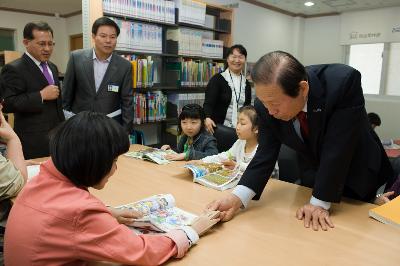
<point>75,42</point>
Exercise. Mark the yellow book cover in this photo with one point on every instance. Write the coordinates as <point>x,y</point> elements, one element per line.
<point>388,213</point>
<point>134,73</point>
<point>144,73</point>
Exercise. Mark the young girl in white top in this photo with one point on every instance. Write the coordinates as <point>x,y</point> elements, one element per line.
<point>243,150</point>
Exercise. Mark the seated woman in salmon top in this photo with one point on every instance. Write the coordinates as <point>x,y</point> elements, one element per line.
<point>57,221</point>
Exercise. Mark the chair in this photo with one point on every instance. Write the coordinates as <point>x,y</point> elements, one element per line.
<point>225,136</point>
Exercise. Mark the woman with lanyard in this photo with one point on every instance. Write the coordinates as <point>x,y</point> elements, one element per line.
<point>227,91</point>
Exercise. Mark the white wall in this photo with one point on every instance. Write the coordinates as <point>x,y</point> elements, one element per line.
<point>298,37</point>
<point>273,31</point>
<point>74,25</point>
<point>370,26</point>
<point>322,41</point>
<point>261,30</point>
<point>62,28</point>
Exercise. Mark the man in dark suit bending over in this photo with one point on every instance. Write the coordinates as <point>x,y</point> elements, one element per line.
<point>98,79</point>
<point>31,91</point>
<point>319,112</point>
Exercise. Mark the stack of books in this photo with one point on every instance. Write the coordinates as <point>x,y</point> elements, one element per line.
<point>177,101</point>
<point>155,10</point>
<point>191,12</point>
<point>388,213</point>
<point>194,43</point>
<point>138,36</point>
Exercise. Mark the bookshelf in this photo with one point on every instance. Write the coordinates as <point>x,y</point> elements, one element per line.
<point>5,58</point>
<point>187,42</point>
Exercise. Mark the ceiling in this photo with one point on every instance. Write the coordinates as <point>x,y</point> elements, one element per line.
<point>328,6</point>
<point>62,7</point>
<point>65,7</point>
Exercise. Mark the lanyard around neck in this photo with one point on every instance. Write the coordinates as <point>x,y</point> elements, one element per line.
<point>234,90</point>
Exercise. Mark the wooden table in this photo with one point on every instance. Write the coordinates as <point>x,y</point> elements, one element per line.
<point>268,232</point>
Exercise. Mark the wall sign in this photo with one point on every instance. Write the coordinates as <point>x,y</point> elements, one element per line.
<point>356,35</point>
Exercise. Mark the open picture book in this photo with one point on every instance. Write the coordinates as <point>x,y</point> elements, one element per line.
<point>151,154</point>
<point>160,214</point>
<point>214,175</point>
<point>388,213</point>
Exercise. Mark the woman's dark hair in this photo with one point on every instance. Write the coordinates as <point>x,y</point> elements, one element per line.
<point>84,147</point>
<point>104,21</point>
<point>238,47</point>
<point>280,68</point>
<point>40,26</point>
<point>193,111</point>
<point>251,113</point>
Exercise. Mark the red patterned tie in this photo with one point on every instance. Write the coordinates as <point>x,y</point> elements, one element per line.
<point>302,117</point>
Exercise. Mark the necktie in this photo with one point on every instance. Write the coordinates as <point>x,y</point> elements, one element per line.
<point>46,73</point>
<point>302,117</point>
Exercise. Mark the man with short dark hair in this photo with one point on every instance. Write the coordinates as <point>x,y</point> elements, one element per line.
<point>31,91</point>
<point>319,112</point>
<point>374,120</point>
<point>98,79</point>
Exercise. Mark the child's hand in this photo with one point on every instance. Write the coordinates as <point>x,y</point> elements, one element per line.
<point>165,147</point>
<point>384,198</point>
<point>124,216</point>
<point>175,157</point>
<point>229,164</point>
<point>6,132</point>
<point>204,222</point>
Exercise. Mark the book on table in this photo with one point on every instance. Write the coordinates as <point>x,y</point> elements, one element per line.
<point>214,175</point>
<point>160,214</point>
<point>388,213</point>
<point>151,154</point>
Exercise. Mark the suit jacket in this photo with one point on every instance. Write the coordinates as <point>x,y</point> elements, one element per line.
<point>79,91</point>
<point>218,97</point>
<point>343,149</point>
<point>22,82</point>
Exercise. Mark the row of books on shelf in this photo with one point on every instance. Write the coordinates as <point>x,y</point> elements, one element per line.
<point>149,107</point>
<point>195,73</point>
<point>156,10</point>
<point>179,100</point>
<point>143,70</point>
<point>139,36</point>
<point>192,12</point>
<point>189,73</point>
<point>195,43</point>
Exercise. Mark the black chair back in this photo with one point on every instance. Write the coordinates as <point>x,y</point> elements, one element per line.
<point>225,136</point>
